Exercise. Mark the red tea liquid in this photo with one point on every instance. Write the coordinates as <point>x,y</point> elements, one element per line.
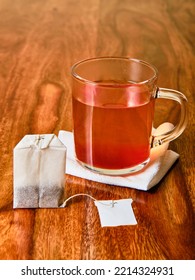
<point>113,132</point>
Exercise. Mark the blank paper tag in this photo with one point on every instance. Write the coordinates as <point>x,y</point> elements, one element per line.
<point>115,212</point>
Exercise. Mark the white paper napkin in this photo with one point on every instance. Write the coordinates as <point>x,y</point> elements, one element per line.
<point>161,161</point>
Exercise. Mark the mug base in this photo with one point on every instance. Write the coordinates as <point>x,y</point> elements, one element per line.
<point>115,172</point>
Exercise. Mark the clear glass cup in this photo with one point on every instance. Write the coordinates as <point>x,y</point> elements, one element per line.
<point>113,111</point>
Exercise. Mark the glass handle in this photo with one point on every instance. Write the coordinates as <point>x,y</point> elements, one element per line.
<point>181,125</point>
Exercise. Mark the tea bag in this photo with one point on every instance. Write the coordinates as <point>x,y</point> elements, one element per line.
<point>39,163</point>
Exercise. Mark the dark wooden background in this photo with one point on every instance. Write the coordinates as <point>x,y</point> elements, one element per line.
<point>39,42</point>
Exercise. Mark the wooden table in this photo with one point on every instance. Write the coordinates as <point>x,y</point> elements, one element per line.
<point>39,42</point>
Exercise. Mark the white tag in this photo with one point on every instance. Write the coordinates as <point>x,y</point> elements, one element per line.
<point>115,212</point>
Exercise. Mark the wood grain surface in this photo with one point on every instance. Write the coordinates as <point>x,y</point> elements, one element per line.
<point>39,42</point>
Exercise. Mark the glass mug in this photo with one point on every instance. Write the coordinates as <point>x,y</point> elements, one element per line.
<point>113,102</point>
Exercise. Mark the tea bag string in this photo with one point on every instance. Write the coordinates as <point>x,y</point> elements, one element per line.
<point>84,194</point>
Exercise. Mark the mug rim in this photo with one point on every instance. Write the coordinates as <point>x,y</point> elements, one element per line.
<point>138,61</point>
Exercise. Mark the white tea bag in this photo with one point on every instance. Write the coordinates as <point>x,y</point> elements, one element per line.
<point>39,164</point>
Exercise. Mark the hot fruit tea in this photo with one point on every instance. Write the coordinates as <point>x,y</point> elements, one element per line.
<point>112,130</point>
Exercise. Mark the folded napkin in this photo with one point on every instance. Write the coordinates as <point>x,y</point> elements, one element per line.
<point>161,161</point>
